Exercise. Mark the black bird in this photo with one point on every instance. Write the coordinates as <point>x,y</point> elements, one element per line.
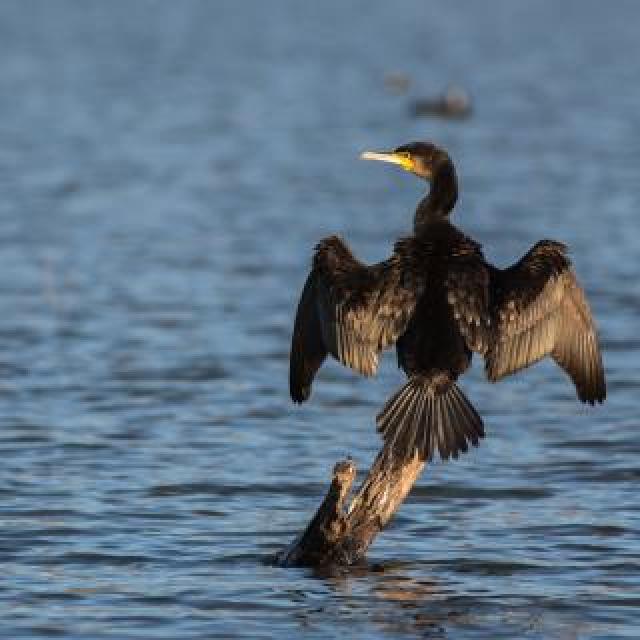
<point>454,103</point>
<point>439,300</point>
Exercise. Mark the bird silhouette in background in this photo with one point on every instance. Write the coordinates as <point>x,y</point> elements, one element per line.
<point>455,103</point>
<point>439,301</point>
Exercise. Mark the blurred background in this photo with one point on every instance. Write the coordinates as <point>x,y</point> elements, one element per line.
<point>165,171</point>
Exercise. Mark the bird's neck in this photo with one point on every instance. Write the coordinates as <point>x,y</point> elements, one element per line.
<point>440,200</point>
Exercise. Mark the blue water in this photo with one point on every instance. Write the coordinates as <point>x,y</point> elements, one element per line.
<point>165,170</point>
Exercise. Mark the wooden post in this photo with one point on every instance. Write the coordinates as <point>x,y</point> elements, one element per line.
<point>341,536</point>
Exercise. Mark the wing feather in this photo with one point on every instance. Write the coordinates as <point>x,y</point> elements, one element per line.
<point>308,350</point>
<point>538,309</point>
<point>467,286</point>
<point>349,310</point>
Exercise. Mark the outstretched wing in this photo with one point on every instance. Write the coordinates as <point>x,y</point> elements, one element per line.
<point>537,309</point>
<point>349,310</point>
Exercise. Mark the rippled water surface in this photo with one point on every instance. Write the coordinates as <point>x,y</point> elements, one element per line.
<point>165,169</point>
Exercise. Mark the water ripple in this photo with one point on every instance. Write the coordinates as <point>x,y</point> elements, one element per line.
<point>166,170</point>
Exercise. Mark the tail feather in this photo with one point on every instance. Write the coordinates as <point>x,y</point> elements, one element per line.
<point>393,414</point>
<point>419,417</point>
<point>458,441</point>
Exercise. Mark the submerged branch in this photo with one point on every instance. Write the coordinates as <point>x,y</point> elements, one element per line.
<point>341,536</point>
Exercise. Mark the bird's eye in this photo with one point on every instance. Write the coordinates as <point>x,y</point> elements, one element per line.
<point>406,155</point>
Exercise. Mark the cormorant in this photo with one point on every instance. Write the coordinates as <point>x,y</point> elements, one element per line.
<point>439,301</point>
<point>454,103</point>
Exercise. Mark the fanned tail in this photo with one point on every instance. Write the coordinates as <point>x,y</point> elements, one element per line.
<point>421,417</point>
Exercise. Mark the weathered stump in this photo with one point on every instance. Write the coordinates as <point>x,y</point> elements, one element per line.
<point>340,535</point>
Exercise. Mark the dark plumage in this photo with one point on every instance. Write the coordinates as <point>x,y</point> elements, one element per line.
<point>439,301</point>
<point>454,103</point>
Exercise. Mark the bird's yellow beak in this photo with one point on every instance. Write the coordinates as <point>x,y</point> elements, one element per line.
<point>403,158</point>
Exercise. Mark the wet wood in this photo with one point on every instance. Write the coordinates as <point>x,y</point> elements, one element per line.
<point>339,534</point>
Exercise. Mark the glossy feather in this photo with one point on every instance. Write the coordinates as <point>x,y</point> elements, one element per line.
<point>439,301</point>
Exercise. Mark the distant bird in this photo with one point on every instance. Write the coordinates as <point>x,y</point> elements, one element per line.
<point>439,300</point>
<point>397,82</point>
<point>455,103</point>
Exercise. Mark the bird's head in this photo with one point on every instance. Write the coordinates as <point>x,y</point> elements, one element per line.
<point>427,161</point>
<point>423,159</point>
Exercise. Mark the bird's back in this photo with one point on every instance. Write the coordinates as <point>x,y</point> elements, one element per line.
<point>433,340</point>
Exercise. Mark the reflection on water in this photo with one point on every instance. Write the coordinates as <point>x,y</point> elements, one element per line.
<point>165,171</point>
